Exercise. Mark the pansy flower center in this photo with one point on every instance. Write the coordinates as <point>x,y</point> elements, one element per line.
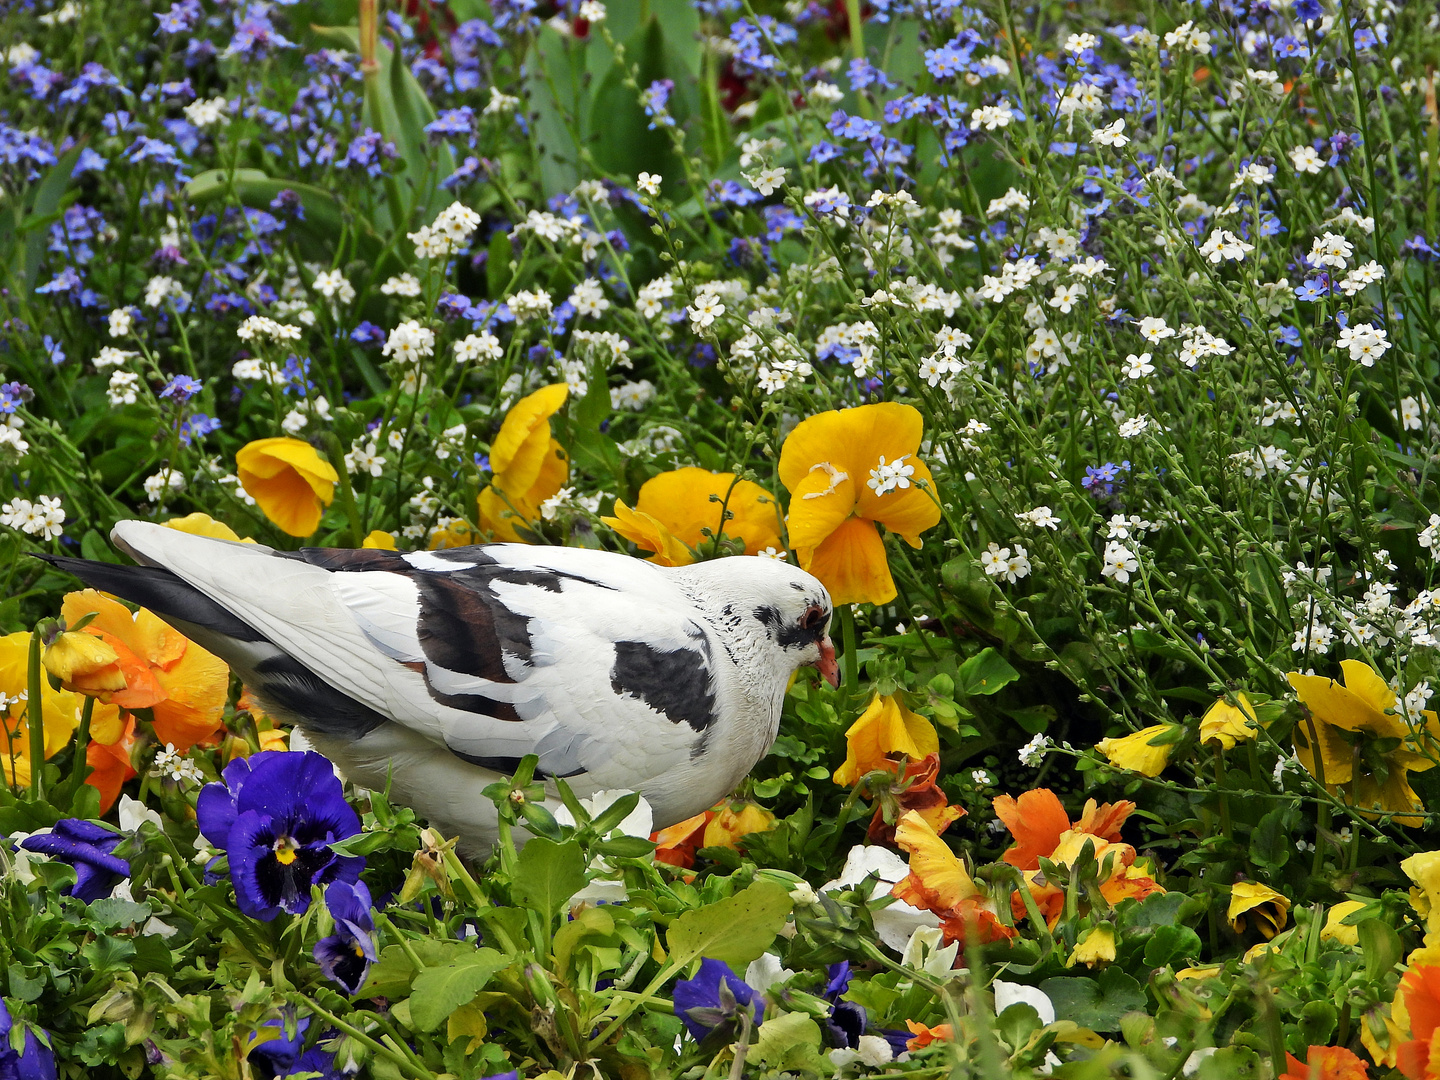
<point>285,848</point>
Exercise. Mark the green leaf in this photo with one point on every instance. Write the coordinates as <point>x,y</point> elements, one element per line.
<point>439,991</point>
<point>735,930</point>
<point>547,874</point>
<point>1170,943</point>
<point>108,913</point>
<point>1380,946</point>
<point>1097,1003</point>
<point>985,673</point>
<point>362,844</point>
<point>1271,841</point>
<point>790,1041</point>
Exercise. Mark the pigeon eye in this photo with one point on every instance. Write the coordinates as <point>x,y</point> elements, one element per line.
<point>813,619</point>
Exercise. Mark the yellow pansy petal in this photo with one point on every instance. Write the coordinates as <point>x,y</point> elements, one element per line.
<point>1335,704</point>
<point>885,727</point>
<point>1136,753</point>
<point>1269,909</point>
<point>851,564</point>
<point>1335,930</point>
<point>198,524</point>
<point>819,504</point>
<point>851,439</point>
<point>289,480</point>
<point>906,513</point>
<point>380,540</point>
<point>690,500</point>
<point>1229,724</point>
<point>938,879</point>
<point>515,447</point>
<point>1365,683</point>
<point>1096,947</point>
<point>1335,753</point>
<point>649,534</point>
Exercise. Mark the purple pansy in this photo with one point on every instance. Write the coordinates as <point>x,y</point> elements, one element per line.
<point>346,955</point>
<point>715,999</point>
<point>87,846</point>
<point>275,817</point>
<point>33,1061</point>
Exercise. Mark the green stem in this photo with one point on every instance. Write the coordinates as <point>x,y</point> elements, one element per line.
<point>847,644</point>
<point>80,768</point>
<point>35,717</point>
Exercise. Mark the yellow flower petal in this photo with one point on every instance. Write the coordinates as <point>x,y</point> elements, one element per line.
<point>517,452</point>
<point>1096,947</point>
<point>885,727</point>
<point>1424,870</point>
<point>59,709</point>
<point>198,524</point>
<point>380,540</point>
<point>1337,931</point>
<point>1136,753</point>
<point>504,511</point>
<point>649,534</point>
<point>1269,909</point>
<point>289,480</point>
<point>1229,724</point>
<point>819,504</point>
<point>688,501</point>
<point>851,564</point>
<point>1350,708</point>
<point>938,879</point>
<point>84,662</point>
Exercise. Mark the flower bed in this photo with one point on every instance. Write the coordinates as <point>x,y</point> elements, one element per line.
<point>1084,355</point>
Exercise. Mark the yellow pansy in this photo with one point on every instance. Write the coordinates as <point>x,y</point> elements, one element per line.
<point>1096,947</point>
<point>734,820</point>
<point>1335,929</point>
<point>289,480</point>
<point>886,727</point>
<point>1423,869</point>
<point>1348,721</point>
<point>1138,752</point>
<point>1229,724</point>
<point>198,524</point>
<point>379,539</point>
<point>848,471</point>
<point>527,465</point>
<point>675,508</point>
<point>1268,909</point>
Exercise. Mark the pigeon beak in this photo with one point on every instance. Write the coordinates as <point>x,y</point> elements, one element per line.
<point>826,665</point>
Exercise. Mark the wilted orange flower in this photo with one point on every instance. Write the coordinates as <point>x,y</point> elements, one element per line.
<point>183,685</point>
<point>289,480</point>
<point>675,507</point>
<point>527,465</point>
<point>1325,1063</point>
<point>885,728</point>
<point>1037,821</point>
<point>938,881</point>
<point>916,790</point>
<point>848,471</point>
<point>1364,706</point>
<point>924,1036</point>
<point>676,844</point>
<point>1419,997</point>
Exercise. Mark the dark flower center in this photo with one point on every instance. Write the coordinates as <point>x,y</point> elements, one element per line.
<point>286,877</point>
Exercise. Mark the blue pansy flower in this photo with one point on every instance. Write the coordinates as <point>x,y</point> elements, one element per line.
<point>87,846</point>
<point>715,999</point>
<point>278,1055</point>
<point>275,817</point>
<point>346,955</point>
<point>33,1061</point>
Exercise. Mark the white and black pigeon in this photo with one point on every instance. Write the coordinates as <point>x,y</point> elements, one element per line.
<point>437,671</point>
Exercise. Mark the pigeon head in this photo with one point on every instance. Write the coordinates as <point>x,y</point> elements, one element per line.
<point>788,609</point>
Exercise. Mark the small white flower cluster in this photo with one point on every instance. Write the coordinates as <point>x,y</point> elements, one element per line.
<point>333,285</point>
<point>45,517</point>
<point>406,284</point>
<point>206,112</point>
<point>589,299</point>
<point>260,327</point>
<point>410,342</point>
<point>12,444</point>
<point>1013,277</point>
<point>160,288</point>
<point>163,484</point>
<point>650,300</point>
<point>1119,562</point>
<point>124,388</point>
<point>171,764</point>
<point>1001,562</point>
<point>529,304</point>
<point>449,233</point>
<point>481,346</point>
<point>891,476</point>
<point>632,395</point>
<point>602,345</point>
<point>945,362</point>
<point>1224,246</point>
<point>364,457</point>
<point>1367,343</point>
<point>566,498</point>
<point>1040,517</point>
<point>705,308</point>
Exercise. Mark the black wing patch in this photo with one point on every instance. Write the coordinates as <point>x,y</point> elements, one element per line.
<point>283,681</point>
<point>675,683</point>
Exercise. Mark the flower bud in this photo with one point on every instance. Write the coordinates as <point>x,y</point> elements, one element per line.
<point>84,662</point>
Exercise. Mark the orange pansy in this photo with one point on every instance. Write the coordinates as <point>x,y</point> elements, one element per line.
<point>917,790</point>
<point>938,881</point>
<point>675,508</point>
<point>734,820</point>
<point>1037,821</point>
<point>1325,1063</point>
<point>109,761</point>
<point>848,471</point>
<point>676,844</point>
<point>1419,993</point>
<point>924,1036</point>
<point>184,686</point>
<point>527,465</point>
